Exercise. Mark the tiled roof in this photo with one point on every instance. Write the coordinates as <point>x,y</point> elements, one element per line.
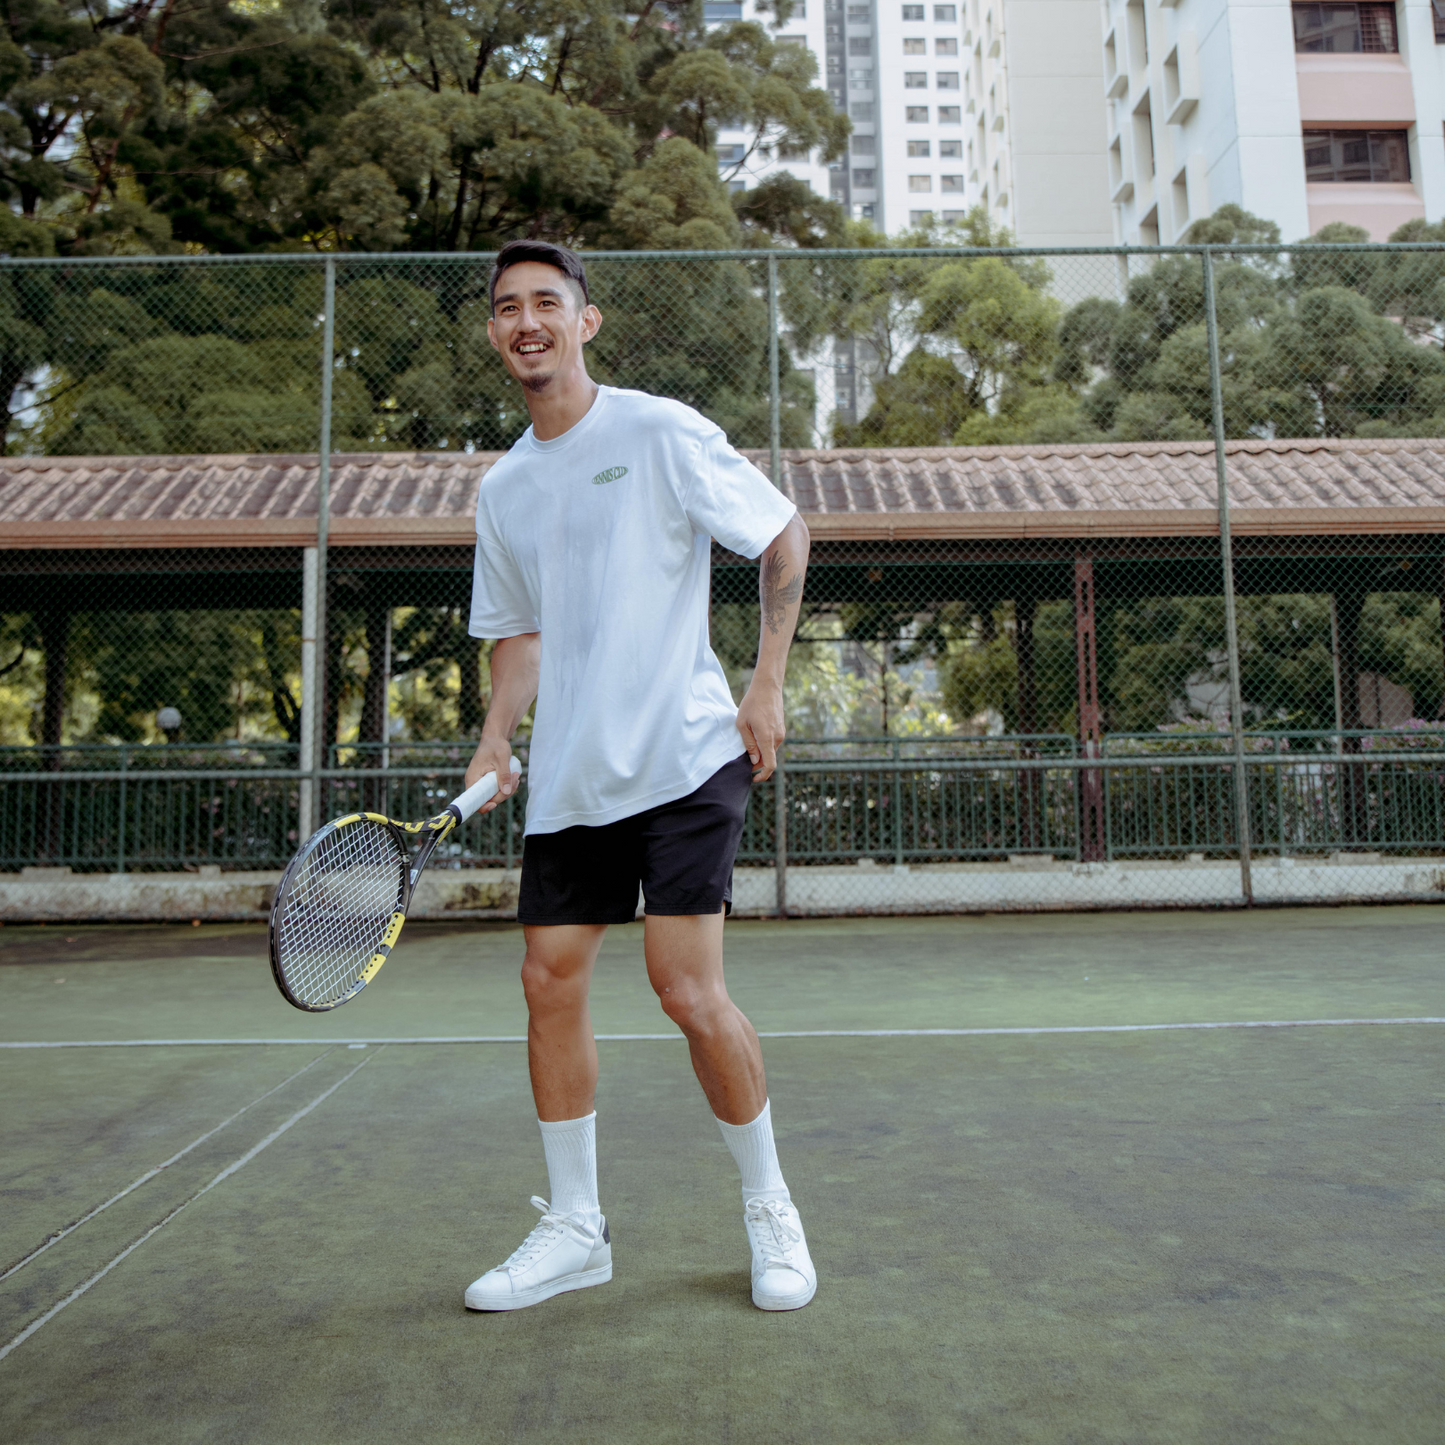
<point>1113,489</point>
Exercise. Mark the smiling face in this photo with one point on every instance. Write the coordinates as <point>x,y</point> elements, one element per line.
<point>539,324</point>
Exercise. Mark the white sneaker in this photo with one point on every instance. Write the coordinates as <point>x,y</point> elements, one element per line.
<point>783,1273</point>
<point>563,1252</point>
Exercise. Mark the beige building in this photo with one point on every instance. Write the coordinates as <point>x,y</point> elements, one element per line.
<point>1036,148</point>
<point>954,103</point>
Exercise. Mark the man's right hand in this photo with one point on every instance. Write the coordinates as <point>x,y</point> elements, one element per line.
<point>493,756</point>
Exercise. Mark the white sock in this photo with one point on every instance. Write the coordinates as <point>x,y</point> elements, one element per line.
<point>756,1155</point>
<point>571,1149</point>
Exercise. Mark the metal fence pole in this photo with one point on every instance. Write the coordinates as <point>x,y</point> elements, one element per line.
<point>320,749</point>
<point>306,763</point>
<point>780,836</point>
<point>1226,551</point>
<point>775,400</point>
<point>120,829</point>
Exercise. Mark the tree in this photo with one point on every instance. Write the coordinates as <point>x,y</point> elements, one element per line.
<point>1310,345</point>
<point>949,343</point>
<point>357,124</point>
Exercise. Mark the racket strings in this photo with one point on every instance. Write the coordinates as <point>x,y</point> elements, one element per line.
<point>337,910</point>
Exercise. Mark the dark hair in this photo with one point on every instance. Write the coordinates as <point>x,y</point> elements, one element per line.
<point>514,252</point>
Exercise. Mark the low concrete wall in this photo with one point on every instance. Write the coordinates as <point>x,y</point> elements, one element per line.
<point>44,895</point>
<point>1031,885</point>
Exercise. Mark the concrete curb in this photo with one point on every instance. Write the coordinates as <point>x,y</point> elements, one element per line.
<point>54,895</point>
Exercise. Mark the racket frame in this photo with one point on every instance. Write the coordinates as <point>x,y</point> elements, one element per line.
<point>405,835</point>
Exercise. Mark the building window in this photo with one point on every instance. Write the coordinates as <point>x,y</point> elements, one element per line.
<point>864,212</point>
<point>737,186</point>
<point>865,145</point>
<point>945,14</point>
<point>920,183</point>
<point>951,149</point>
<point>918,148</point>
<point>865,180</point>
<point>920,218</point>
<point>913,12</point>
<point>1356,155</point>
<point>860,45</point>
<point>793,40</point>
<point>859,14</point>
<point>1437,9</point>
<point>915,47</point>
<point>792,153</point>
<point>948,80</point>
<point>861,110</point>
<point>950,115</point>
<point>915,80</point>
<point>716,10</point>
<point>917,115</point>
<point>1339,28</point>
<point>945,47</point>
<point>860,80</point>
<point>730,155</point>
<point>951,185</point>
<point>954,218</point>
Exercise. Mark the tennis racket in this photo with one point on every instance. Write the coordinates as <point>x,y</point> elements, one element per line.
<point>343,899</point>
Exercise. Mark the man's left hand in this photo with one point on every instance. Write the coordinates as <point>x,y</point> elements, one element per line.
<point>760,721</point>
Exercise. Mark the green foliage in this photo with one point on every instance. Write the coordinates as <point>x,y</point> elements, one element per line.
<point>977,351</point>
<point>979,667</point>
<point>227,126</point>
<point>230,127</point>
<point>952,344</point>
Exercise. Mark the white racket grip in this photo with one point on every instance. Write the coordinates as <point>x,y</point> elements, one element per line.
<point>480,793</point>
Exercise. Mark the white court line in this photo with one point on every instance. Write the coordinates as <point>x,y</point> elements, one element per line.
<point>226,1173</point>
<point>151,1173</point>
<point>770,1034</point>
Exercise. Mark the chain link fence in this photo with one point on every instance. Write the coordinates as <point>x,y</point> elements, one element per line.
<point>1038,666</point>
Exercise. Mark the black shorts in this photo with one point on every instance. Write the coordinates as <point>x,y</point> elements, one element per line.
<point>680,852</point>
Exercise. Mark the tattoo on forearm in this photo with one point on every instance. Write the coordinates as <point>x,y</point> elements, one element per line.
<point>777,595</point>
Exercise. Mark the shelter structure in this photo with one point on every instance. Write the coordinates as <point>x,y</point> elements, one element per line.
<point>904,529</point>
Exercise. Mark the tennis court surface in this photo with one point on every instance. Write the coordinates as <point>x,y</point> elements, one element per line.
<point>1111,1234</point>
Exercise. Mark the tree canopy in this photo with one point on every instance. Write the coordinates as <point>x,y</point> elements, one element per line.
<point>979,350</point>
<point>431,125</point>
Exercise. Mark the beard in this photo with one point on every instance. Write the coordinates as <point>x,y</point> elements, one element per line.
<point>537,384</point>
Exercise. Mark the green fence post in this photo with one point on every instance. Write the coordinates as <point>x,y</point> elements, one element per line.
<point>1226,551</point>
<point>320,752</point>
<point>775,400</point>
<point>780,836</point>
<point>120,829</point>
<point>897,806</point>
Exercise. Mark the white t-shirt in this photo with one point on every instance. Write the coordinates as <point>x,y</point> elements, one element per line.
<point>600,541</point>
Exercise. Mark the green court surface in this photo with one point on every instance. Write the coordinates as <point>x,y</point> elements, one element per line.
<point>1105,1234</point>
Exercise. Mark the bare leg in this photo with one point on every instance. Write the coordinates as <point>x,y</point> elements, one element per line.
<point>685,967</point>
<point>561,1053</point>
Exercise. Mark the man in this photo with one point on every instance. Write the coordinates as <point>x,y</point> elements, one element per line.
<point>592,572</point>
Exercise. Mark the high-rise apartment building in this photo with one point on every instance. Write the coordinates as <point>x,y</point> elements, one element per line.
<point>954,103</point>
<point>1301,113</point>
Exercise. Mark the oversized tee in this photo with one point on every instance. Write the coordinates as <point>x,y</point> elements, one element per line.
<point>600,540</point>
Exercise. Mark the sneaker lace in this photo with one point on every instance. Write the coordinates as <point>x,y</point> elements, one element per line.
<point>547,1228</point>
<point>776,1233</point>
